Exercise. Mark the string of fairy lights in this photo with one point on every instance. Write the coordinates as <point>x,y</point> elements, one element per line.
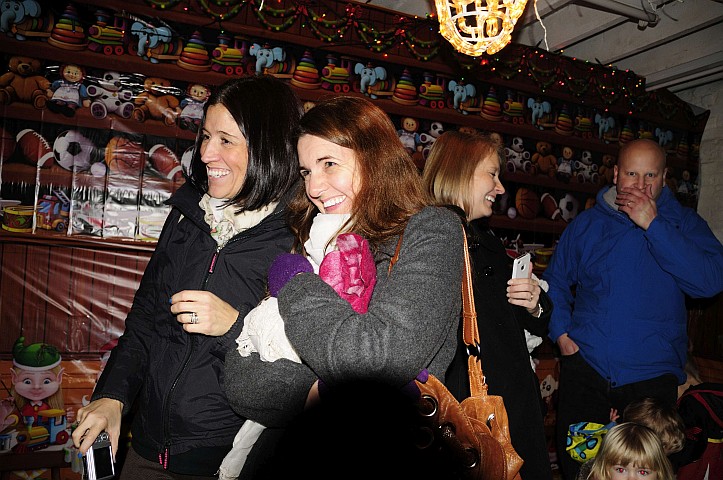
<point>420,37</point>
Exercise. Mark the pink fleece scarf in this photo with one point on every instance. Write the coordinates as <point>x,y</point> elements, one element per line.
<point>350,270</point>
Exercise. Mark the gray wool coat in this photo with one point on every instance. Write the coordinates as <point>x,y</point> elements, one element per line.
<point>411,324</point>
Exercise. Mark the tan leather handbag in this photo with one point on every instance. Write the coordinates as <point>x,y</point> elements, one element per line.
<point>472,437</point>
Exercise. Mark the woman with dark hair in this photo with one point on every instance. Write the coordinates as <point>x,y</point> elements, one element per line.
<point>356,169</point>
<point>208,271</point>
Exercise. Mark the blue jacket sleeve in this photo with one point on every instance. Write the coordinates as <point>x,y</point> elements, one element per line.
<point>689,251</point>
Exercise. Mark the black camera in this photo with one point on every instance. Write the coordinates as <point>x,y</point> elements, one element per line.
<point>98,462</point>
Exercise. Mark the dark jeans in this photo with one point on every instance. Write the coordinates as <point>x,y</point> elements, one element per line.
<point>585,396</point>
<point>136,467</point>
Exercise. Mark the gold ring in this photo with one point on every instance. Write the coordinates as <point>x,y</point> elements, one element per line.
<point>194,318</point>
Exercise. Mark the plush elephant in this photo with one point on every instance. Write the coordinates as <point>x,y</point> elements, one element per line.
<point>14,12</point>
<point>605,124</point>
<point>369,77</point>
<point>461,92</point>
<point>150,37</point>
<point>266,56</point>
<point>539,109</point>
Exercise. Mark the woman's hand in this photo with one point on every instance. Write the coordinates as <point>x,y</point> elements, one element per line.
<point>524,292</point>
<point>203,312</point>
<point>99,415</point>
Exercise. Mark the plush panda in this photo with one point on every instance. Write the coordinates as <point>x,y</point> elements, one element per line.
<point>109,97</point>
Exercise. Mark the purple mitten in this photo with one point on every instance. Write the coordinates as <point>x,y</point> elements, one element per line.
<point>284,267</point>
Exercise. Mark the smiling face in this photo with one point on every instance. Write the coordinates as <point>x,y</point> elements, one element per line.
<point>330,174</point>
<point>225,152</point>
<point>72,73</point>
<point>484,187</point>
<point>36,385</point>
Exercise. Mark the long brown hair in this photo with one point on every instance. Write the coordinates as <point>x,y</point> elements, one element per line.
<point>391,189</point>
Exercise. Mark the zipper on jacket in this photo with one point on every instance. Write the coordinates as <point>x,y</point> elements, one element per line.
<point>163,456</point>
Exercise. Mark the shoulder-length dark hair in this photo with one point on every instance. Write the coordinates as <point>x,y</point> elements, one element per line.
<point>390,187</point>
<point>267,112</point>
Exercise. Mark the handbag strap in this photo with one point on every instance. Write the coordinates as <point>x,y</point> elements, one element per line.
<point>470,331</point>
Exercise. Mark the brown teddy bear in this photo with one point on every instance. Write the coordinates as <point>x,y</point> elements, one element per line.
<point>605,173</point>
<point>22,84</point>
<point>156,103</point>
<point>543,160</point>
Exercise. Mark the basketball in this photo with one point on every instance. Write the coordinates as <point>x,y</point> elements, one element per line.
<point>125,156</point>
<point>527,203</point>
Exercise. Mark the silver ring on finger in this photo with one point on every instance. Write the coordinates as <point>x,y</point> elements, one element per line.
<point>530,297</point>
<point>194,318</point>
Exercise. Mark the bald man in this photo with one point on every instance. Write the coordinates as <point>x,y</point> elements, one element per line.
<point>618,281</point>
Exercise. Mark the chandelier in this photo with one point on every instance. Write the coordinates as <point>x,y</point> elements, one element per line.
<point>474,27</point>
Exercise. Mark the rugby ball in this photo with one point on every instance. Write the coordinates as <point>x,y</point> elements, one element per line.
<point>35,147</point>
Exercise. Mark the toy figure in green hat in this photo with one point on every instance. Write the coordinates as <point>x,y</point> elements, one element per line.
<point>36,379</point>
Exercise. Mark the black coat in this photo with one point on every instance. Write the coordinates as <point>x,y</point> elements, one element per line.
<point>176,378</point>
<point>505,359</point>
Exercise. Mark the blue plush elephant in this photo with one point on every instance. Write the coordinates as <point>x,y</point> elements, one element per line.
<point>150,37</point>
<point>369,77</point>
<point>461,93</point>
<point>266,56</point>
<point>605,124</point>
<point>539,109</point>
<point>14,12</point>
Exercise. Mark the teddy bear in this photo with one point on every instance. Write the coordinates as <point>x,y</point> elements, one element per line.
<point>156,103</point>
<point>605,172</point>
<point>23,83</point>
<point>543,160</point>
<point>109,97</point>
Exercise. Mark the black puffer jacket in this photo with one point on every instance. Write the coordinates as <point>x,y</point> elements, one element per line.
<point>176,378</point>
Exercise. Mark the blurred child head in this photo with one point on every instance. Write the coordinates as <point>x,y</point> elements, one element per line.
<point>662,419</point>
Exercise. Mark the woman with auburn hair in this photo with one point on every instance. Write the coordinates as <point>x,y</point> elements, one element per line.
<point>357,368</point>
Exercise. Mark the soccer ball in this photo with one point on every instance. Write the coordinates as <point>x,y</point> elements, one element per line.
<point>569,206</point>
<point>73,151</point>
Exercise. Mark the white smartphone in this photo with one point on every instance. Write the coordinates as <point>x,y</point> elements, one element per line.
<point>522,266</point>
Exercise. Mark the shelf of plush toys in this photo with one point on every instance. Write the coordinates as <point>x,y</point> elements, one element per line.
<point>537,145</point>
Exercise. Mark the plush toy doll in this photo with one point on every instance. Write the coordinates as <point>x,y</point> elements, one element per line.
<point>408,134</point>
<point>192,106</point>
<point>36,380</point>
<point>564,164</point>
<point>69,93</point>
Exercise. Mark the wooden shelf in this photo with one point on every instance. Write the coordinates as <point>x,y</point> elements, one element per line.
<point>550,183</point>
<point>50,238</point>
<point>538,225</point>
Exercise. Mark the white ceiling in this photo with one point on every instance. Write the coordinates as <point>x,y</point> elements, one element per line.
<point>676,44</point>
